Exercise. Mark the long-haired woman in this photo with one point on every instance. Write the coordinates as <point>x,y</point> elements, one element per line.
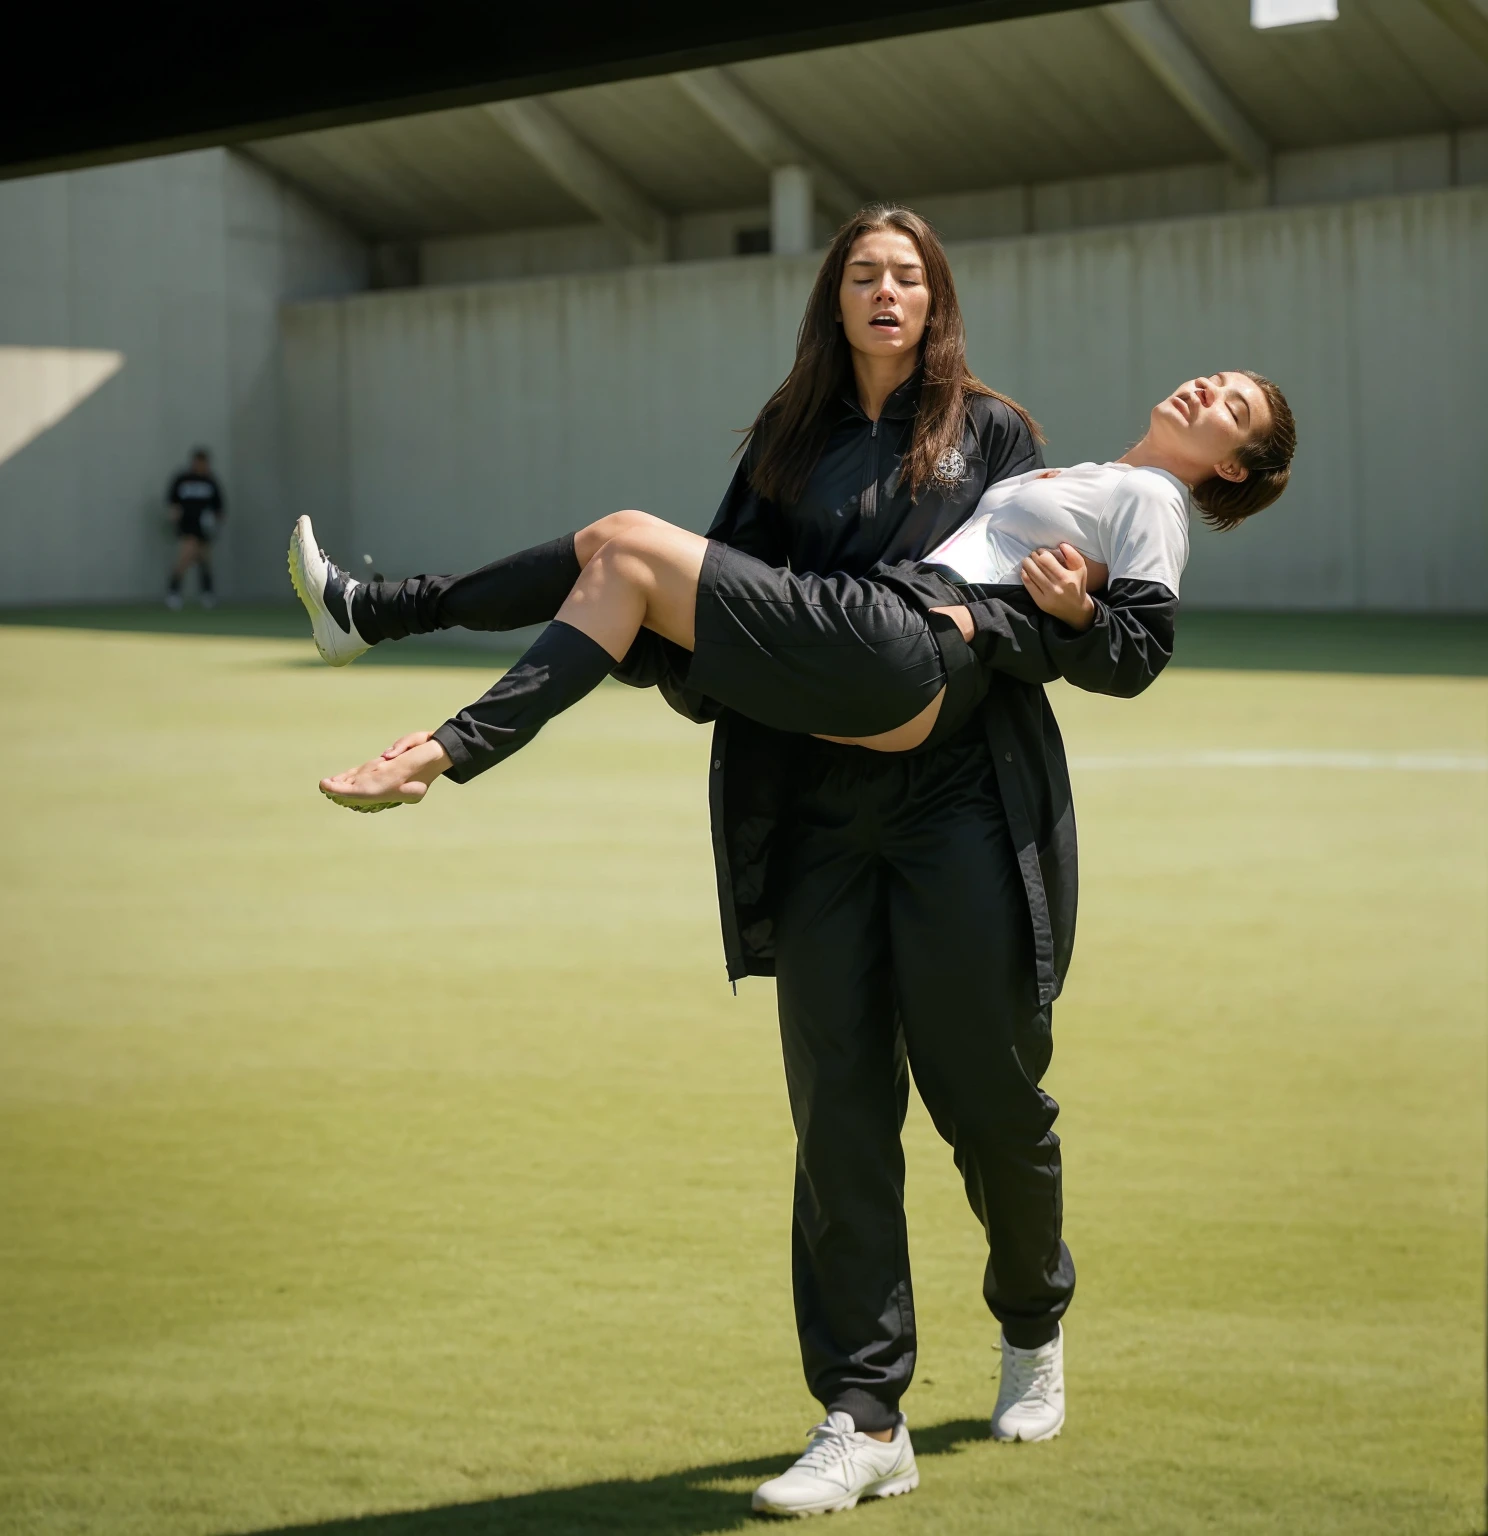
<point>916,908</point>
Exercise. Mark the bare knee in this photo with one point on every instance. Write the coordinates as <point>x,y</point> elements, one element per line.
<point>589,541</point>
<point>630,556</point>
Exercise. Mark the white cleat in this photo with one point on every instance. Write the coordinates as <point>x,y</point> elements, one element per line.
<point>1030,1396</point>
<point>840,1466</point>
<point>325,590</point>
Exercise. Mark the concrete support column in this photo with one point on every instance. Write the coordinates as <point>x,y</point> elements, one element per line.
<point>792,210</point>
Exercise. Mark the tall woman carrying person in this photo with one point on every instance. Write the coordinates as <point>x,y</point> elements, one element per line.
<point>917,907</point>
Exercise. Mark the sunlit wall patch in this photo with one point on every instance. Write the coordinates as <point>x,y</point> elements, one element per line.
<point>39,386</point>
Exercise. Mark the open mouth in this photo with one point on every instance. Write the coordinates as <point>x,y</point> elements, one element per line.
<point>885,322</point>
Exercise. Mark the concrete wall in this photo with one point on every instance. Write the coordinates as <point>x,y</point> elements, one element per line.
<point>178,266</point>
<point>434,428</point>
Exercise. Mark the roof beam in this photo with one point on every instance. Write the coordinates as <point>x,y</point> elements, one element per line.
<point>593,181</point>
<point>763,137</point>
<point>1468,19</point>
<point>1150,34</point>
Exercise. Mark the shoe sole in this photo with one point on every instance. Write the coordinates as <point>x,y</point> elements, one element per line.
<point>299,580</point>
<point>891,1489</point>
<point>1048,1434</point>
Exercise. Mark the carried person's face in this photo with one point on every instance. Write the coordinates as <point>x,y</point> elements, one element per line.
<point>883,301</point>
<point>1206,421</point>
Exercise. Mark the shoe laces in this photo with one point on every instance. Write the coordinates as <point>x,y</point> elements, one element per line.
<point>1027,1375</point>
<point>825,1447</point>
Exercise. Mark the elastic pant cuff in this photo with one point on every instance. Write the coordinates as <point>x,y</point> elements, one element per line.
<point>1030,1335</point>
<point>868,1414</point>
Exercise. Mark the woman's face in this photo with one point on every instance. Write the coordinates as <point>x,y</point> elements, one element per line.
<point>883,302</point>
<point>1205,422</point>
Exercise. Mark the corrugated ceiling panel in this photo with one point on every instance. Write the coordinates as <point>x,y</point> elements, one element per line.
<point>1031,101</point>
<point>1385,68</point>
<point>982,107</point>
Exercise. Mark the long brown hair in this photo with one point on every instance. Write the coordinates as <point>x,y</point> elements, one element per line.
<point>788,435</point>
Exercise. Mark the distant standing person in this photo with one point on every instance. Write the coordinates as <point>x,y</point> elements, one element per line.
<point>197,510</point>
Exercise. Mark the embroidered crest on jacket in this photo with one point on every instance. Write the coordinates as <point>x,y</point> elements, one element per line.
<point>951,470</point>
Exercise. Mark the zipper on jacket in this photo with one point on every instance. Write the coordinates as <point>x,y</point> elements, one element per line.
<point>869,505</point>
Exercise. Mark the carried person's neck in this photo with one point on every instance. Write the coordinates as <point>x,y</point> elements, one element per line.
<point>1147,456</point>
<point>877,378</point>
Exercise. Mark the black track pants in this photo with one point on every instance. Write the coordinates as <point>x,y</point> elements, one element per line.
<point>903,928</point>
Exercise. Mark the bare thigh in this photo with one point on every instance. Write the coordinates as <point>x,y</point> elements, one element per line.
<point>647,575</point>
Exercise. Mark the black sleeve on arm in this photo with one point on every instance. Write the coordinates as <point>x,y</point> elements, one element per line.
<point>746,521</point>
<point>1010,636</point>
<point>1129,643</point>
<point>1008,445</point>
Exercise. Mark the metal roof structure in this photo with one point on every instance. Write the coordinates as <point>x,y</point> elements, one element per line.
<point>1118,88</point>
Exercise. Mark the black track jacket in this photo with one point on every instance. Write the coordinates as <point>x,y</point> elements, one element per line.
<point>751,766</point>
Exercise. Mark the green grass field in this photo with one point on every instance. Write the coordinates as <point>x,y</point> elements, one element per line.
<point>419,1173</point>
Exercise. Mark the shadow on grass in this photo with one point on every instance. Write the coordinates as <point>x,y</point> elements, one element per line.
<point>677,1504</point>
<point>1451,645</point>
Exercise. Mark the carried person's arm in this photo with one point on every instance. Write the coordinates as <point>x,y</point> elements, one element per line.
<point>1116,642</point>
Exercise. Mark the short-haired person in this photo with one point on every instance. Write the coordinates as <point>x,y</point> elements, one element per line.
<point>916,907</point>
<point>197,508</point>
<point>859,662</point>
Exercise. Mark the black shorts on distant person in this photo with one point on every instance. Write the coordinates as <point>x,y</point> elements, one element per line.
<point>828,655</point>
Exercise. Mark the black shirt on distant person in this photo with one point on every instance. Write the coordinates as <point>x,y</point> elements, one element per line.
<point>198,500</point>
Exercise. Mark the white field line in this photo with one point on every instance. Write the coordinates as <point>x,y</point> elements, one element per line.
<point>1398,762</point>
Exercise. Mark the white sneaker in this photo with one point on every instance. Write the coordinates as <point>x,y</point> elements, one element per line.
<point>840,1466</point>
<point>1030,1396</point>
<point>208,601</point>
<point>173,601</point>
<point>325,590</point>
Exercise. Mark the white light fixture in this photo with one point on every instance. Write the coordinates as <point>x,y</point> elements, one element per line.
<point>1265,14</point>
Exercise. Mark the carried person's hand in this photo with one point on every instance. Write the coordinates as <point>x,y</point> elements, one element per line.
<point>1059,584</point>
<point>403,743</point>
<point>401,776</point>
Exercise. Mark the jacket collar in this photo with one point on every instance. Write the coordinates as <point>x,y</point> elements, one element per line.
<point>901,405</point>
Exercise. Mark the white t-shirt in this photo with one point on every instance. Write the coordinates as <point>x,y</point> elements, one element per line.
<point>1135,521</point>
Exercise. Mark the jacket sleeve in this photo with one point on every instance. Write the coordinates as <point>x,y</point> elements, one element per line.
<point>745,520</point>
<point>1010,636</point>
<point>1129,643</point>
<point>1122,652</point>
<point>1008,445</point>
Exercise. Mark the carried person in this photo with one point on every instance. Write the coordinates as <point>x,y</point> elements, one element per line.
<point>892,661</point>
